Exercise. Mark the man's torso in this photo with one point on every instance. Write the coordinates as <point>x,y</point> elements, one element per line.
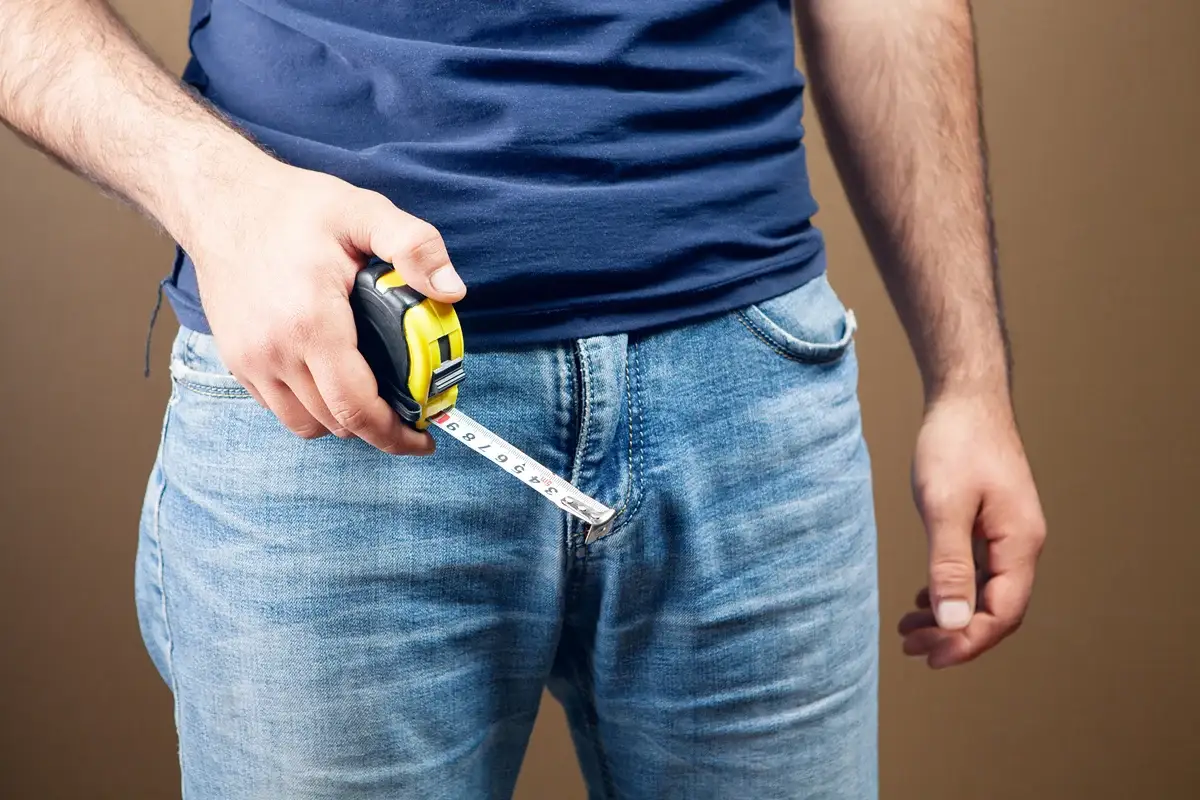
<point>593,167</point>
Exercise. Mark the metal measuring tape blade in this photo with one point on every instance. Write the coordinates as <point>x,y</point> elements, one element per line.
<point>562,493</point>
<point>414,347</point>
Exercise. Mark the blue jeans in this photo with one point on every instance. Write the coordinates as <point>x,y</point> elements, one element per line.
<point>338,623</point>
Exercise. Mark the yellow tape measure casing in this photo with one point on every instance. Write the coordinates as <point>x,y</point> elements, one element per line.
<point>413,344</point>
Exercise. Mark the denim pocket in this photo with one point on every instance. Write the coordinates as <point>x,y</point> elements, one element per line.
<point>809,324</point>
<point>196,365</point>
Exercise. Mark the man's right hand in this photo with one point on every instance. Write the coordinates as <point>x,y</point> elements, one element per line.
<point>276,251</point>
<point>276,248</point>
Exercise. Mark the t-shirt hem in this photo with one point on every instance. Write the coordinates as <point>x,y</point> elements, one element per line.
<point>550,327</point>
<point>188,312</point>
<point>710,300</point>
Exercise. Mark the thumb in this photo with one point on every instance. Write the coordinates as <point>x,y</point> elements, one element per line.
<point>411,245</point>
<point>951,564</point>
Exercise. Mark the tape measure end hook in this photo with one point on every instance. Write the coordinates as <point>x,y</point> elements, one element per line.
<point>599,530</point>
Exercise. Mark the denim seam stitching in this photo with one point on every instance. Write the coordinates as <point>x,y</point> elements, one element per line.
<point>230,393</point>
<point>640,472</point>
<point>585,418</point>
<point>162,588</point>
<point>566,374</point>
<point>189,359</point>
<point>632,376</point>
<point>578,581</point>
<point>765,338</point>
<point>629,453</point>
<point>578,567</point>
<point>581,680</point>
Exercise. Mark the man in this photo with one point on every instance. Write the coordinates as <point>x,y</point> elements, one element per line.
<point>622,185</point>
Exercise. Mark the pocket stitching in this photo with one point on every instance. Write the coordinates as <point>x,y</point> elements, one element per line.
<point>236,392</point>
<point>229,393</point>
<point>818,353</point>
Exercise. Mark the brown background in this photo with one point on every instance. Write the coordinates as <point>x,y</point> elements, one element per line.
<point>1093,108</point>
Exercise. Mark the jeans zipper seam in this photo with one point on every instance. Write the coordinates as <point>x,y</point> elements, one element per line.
<point>635,467</point>
<point>581,679</point>
<point>583,399</point>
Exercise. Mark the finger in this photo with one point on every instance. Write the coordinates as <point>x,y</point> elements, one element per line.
<point>950,522</point>
<point>414,247</point>
<point>1006,594</point>
<point>1003,603</point>
<point>924,641</point>
<point>922,598</point>
<point>302,385</point>
<point>254,393</point>
<point>277,397</point>
<point>1015,534</point>
<point>915,620</point>
<point>984,633</point>
<point>1014,540</point>
<point>349,391</point>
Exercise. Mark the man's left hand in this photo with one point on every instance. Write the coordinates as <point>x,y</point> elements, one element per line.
<point>975,492</point>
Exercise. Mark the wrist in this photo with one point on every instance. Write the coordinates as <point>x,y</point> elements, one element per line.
<point>973,369</point>
<point>206,180</point>
<point>991,397</point>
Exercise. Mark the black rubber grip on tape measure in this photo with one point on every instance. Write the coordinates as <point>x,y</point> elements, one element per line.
<point>379,320</point>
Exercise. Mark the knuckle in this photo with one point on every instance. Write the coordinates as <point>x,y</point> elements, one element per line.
<point>423,242</point>
<point>239,354</point>
<point>263,352</point>
<point>240,361</point>
<point>952,571</point>
<point>1027,529</point>
<point>284,338</point>
<point>309,430</point>
<point>298,328</point>
<point>351,416</point>
<point>347,202</point>
<point>372,200</point>
<point>938,502</point>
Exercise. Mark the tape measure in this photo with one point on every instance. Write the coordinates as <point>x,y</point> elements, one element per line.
<point>414,345</point>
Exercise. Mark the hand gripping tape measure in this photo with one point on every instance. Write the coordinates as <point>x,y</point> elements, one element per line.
<point>414,345</point>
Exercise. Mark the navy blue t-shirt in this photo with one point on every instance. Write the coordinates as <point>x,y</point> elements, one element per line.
<point>594,166</point>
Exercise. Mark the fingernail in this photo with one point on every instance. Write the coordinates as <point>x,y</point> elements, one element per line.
<point>953,614</point>
<point>446,280</point>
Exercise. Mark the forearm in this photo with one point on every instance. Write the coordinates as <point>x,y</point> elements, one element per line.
<point>896,88</point>
<point>74,81</point>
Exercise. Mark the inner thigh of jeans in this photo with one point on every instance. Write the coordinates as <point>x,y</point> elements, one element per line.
<point>735,619</point>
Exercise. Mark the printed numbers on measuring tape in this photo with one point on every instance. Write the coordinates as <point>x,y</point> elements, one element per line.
<point>562,493</point>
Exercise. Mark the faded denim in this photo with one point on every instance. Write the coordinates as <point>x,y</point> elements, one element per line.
<point>338,623</point>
